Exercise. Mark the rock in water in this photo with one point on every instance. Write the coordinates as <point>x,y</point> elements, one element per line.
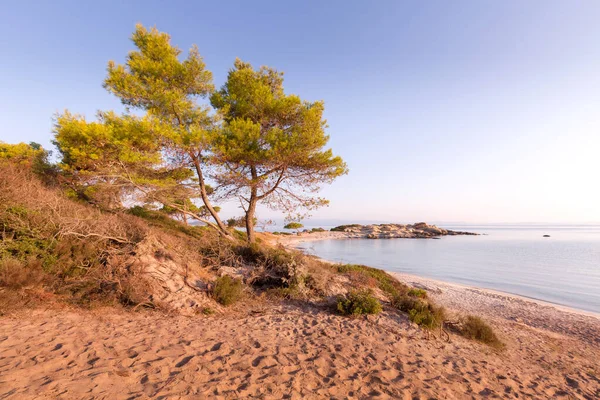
<point>393,231</point>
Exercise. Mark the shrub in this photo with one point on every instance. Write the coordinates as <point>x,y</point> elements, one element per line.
<point>422,313</point>
<point>475,328</point>
<point>388,284</point>
<point>317,230</point>
<point>358,302</point>
<point>420,293</point>
<point>16,274</point>
<point>273,267</point>
<point>227,290</point>
<point>427,315</point>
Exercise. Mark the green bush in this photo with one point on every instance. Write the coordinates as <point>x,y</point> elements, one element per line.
<point>475,328</point>
<point>420,293</point>
<point>420,312</point>
<point>358,302</point>
<point>427,315</point>
<point>388,284</point>
<point>293,225</point>
<point>227,290</point>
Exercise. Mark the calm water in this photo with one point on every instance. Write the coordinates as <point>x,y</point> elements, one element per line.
<point>563,269</point>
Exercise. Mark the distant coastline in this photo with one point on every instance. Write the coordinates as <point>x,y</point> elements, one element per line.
<point>297,241</point>
<point>419,230</point>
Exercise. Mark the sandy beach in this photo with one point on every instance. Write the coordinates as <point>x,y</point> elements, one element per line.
<point>275,351</point>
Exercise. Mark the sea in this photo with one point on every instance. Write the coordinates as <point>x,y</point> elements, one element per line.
<point>563,268</point>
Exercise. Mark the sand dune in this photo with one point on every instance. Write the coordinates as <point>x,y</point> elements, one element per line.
<point>286,352</point>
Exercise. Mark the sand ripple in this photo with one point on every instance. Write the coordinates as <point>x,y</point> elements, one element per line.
<point>287,353</point>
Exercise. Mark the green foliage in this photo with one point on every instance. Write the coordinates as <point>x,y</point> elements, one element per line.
<point>32,156</point>
<point>388,284</point>
<point>293,225</point>
<point>186,209</point>
<point>154,79</point>
<point>272,147</point>
<point>427,315</point>
<point>239,222</point>
<point>409,300</point>
<point>159,219</point>
<point>110,158</point>
<point>420,293</point>
<point>227,290</point>
<point>342,228</point>
<point>22,153</point>
<point>240,235</point>
<point>358,302</point>
<point>421,312</point>
<point>313,230</point>
<point>160,156</point>
<point>475,328</point>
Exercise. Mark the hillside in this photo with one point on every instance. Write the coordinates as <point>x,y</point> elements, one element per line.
<point>131,301</point>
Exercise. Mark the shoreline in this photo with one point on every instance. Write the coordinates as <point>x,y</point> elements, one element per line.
<point>421,279</point>
<point>292,242</point>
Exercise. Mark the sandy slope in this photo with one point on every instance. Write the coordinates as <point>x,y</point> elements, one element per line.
<point>285,352</point>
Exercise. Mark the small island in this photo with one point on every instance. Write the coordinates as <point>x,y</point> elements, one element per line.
<point>420,230</point>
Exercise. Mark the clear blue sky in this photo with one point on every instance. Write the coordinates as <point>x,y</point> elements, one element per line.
<point>470,111</point>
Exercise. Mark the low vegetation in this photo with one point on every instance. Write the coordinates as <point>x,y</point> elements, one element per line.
<point>227,290</point>
<point>412,301</point>
<point>342,228</point>
<point>420,293</point>
<point>358,302</point>
<point>293,225</point>
<point>56,244</point>
<point>375,278</point>
<point>475,328</point>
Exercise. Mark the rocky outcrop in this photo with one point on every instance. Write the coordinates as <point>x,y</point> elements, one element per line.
<point>394,231</point>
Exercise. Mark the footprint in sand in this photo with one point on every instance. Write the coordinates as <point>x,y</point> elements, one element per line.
<point>183,361</point>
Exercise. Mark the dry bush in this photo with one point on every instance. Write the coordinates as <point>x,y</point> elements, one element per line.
<point>16,274</point>
<point>273,266</point>
<point>73,245</point>
<point>362,280</point>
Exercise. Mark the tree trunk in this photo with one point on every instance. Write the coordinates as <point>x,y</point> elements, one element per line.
<point>251,211</point>
<point>222,228</point>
